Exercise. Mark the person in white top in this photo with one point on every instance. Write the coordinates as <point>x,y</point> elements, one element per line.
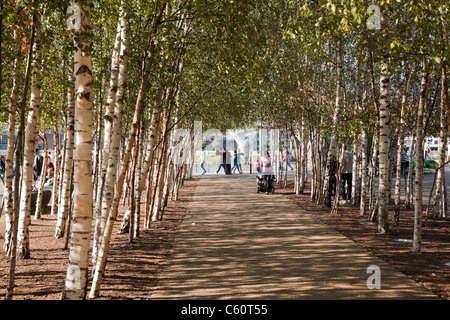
<point>267,170</point>
<point>202,160</point>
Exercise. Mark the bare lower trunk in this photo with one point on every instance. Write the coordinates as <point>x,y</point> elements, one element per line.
<point>23,245</point>
<point>439,205</point>
<point>409,197</point>
<point>8,197</point>
<point>331,158</point>
<point>335,207</point>
<point>161,178</point>
<point>400,151</point>
<point>56,178</point>
<point>65,200</point>
<point>362,204</point>
<point>156,117</point>
<point>417,238</point>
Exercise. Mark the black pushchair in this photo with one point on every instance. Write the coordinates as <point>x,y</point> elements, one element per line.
<point>261,182</point>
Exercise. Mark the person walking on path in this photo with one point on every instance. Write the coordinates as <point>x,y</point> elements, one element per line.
<point>346,176</point>
<point>288,157</point>
<point>221,162</point>
<point>2,167</point>
<point>202,160</point>
<point>267,170</point>
<point>281,153</point>
<point>236,162</point>
<point>37,166</point>
<point>227,162</point>
<point>258,166</point>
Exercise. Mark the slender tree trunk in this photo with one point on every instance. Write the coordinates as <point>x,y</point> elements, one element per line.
<point>447,105</point>
<point>162,166</point>
<point>297,162</point>
<point>156,117</point>
<point>440,183</point>
<point>12,249</point>
<point>98,145</point>
<point>65,199</point>
<point>409,197</point>
<point>313,139</point>
<point>30,147</point>
<point>383,184</point>
<point>332,149</point>
<point>417,238</point>
<point>362,202</point>
<point>37,213</point>
<point>132,191</point>
<point>69,219</point>
<point>358,141</point>
<point>372,173</point>
<point>109,122</point>
<point>8,192</point>
<point>56,178</point>
<point>114,147</point>
<point>335,207</point>
<point>401,141</point>
<point>304,153</point>
<point>137,200</point>
<point>77,271</point>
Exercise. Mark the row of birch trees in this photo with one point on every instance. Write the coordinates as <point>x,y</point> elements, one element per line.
<point>367,77</point>
<point>125,81</point>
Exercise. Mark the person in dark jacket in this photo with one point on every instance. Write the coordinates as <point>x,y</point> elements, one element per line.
<point>37,166</point>
<point>2,167</point>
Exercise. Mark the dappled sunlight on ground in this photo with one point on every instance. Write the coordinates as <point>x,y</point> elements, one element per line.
<point>237,244</point>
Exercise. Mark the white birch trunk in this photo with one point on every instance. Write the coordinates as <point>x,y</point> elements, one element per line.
<point>156,117</point>
<point>108,127</point>
<point>417,235</point>
<point>362,202</point>
<point>332,149</point>
<point>77,271</point>
<point>116,134</point>
<point>401,141</point>
<point>63,209</point>
<point>54,207</point>
<point>439,205</point>
<point>383,184</point>
<point>7,195</point>
<point>409,184</point>
<point>23,244</point>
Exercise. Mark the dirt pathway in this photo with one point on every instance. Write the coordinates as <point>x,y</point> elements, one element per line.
<point>237,244</point>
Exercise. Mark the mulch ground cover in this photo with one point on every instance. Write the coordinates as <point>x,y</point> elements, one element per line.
<point>132,268</point>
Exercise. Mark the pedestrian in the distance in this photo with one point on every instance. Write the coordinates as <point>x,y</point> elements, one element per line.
<point>2,167</point>
<point>37,166</point>
<point>267,170</point>
<point>346,176</point>
<point>202,160</point>
<point>288,157</point>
